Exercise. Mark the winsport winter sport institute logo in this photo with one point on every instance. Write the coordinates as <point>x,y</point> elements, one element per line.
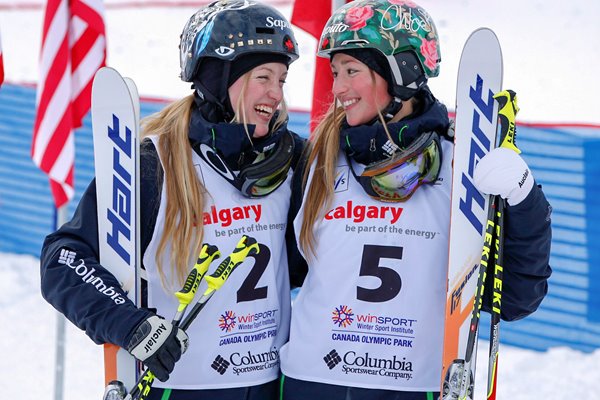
<point>227,321</point>
<point>342,316</point>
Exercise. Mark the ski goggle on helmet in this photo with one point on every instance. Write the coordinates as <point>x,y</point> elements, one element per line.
<point>396,178</point>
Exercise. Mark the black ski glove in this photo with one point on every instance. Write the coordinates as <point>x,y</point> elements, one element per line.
<point>158,344</point>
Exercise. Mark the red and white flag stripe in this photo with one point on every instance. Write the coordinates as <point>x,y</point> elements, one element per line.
<point>1,63</point>
<point>73,49</point>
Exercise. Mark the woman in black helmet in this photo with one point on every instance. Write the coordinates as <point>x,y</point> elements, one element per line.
<point>368,322</point>
<point>215,165</point>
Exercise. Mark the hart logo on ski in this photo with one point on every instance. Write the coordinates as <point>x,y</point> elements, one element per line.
<point>119,213</point>
<point>478,148</point>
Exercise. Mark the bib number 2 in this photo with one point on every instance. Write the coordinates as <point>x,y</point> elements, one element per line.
<point>249,291</point>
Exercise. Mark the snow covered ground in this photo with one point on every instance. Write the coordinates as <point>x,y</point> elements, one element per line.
<point>551,52</point>
<point>27,341</point>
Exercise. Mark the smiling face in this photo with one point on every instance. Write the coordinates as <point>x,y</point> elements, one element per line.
<point>361,92</point>
<point>256,95</point>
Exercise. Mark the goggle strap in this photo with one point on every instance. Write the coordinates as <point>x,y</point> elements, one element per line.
<point>414,149</point>
<point>364,182</point>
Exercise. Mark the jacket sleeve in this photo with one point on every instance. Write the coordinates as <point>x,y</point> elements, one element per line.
<point>526,257</point>
<point>74,282</point>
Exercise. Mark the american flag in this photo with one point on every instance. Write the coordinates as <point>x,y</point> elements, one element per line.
<point>73,49</point>
<point>312,18</point>
<point>1,63</point>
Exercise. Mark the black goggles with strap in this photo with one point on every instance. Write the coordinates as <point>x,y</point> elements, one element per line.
<point>261,178</point>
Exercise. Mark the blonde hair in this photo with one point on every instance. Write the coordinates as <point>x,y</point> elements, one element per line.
<point>323,152</point>
<point>183,228</point>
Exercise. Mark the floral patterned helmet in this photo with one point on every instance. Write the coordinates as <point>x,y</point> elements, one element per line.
<point>227,29</point>
<point>399,29</point>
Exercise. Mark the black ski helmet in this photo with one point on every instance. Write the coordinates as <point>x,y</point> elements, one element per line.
<point>226,30</point>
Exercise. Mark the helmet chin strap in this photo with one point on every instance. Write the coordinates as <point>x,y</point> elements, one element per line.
<point>214,102</point>
<point>392,109</point>
<point>212,109</point>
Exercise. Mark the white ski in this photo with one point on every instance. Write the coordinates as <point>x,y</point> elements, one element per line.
<point>479,78</point>
<point>115,122</point>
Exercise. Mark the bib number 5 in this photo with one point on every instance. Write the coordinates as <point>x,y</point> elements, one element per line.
<point>370,265</point>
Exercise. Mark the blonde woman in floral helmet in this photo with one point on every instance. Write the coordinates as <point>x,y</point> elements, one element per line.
<point>373,219</point>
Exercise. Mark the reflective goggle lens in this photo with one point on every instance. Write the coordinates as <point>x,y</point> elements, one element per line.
<point>269,170</point>
<point>268,184</point>
<point>397,179</point>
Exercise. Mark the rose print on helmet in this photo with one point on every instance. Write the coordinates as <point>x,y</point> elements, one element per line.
<point>357,17</point>
<point>430,52</point>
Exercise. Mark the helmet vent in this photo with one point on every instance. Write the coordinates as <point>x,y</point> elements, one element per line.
<point>354,41</point>
<point>262,29</point>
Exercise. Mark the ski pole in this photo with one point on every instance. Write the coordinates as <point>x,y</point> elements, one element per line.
<point>208,254</point>
<point>507,113</point>
<point>463,367</point>
<point>215,281</point>
<point>185,296</point>
<point>245,247</point>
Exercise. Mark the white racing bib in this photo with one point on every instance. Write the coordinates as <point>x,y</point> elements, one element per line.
<point>370,312</point>
<point>236,339</point>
